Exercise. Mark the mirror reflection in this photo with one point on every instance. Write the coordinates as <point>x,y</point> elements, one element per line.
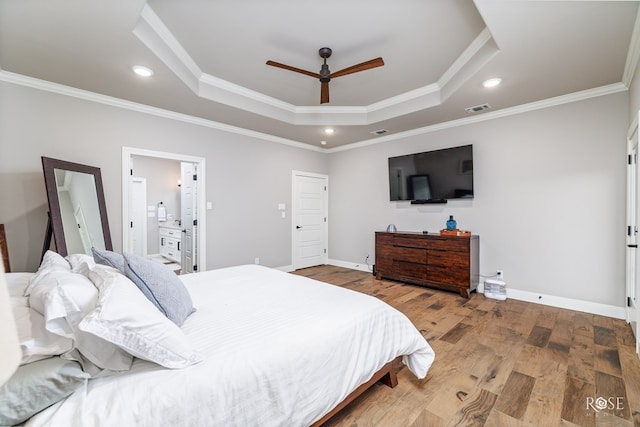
<point>79,211</point>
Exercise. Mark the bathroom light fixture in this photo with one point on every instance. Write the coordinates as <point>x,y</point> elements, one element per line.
<point>329,131</point>
<point>142,71</point>
<point>492,82</point>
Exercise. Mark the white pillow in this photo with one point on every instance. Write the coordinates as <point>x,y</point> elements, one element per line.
<point>81,263</point>
<point>64,298</point>
<point>59,293</point>
<point>125,317</point>
<point>51,262</point>
<point>35,341</point>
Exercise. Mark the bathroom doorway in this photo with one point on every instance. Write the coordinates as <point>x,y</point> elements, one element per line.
<point>173,233</point>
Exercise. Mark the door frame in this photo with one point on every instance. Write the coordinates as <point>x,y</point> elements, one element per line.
<point>189,226</point>
<point>632,279</point>
<point>294,213</point>
<point>143,215</point>
<point>127,152</point>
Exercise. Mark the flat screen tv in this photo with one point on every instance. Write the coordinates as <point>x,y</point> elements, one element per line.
<point>435,175</point>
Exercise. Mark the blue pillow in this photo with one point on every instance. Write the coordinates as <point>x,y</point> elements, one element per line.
<point>36,386</point>
<point>111,259</point>
<point>161,286</point>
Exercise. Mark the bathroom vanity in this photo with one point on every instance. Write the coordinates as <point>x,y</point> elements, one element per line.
<point>170,242</point>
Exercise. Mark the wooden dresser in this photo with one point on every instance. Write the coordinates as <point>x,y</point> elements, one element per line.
<point>445,262</point>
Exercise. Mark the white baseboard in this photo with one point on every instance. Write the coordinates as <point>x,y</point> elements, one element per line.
<point>537,298</point>
<point>569,303</point>
<point>563,302</point>
<point>351,265</point>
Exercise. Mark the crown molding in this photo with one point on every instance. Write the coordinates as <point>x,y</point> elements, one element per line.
<point>46,86</point>
<point>86,95</point>
<point>524,108</point>
<point>156,36</point>
<point>633,54</point>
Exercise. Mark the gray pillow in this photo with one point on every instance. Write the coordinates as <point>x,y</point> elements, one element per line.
<point>161,286</point>
<point>36,386</point>
<point>111,259</point>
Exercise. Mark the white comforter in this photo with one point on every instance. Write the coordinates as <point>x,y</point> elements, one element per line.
<point>280,350</point>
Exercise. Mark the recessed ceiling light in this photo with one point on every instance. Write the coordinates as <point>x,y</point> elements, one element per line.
<point>142,71</point>
<point>329,131</point>
<point>323,142</point>
<point>492,82</point>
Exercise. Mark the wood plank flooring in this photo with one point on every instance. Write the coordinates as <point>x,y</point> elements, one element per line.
<point>499,363</point>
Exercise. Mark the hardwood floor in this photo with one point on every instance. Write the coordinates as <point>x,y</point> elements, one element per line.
<point>499,363</point>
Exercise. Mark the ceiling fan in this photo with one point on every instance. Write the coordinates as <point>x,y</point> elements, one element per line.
<point>325,75</point>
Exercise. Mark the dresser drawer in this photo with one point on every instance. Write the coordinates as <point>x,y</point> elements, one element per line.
<point>454,276</point>
<point>384,239</point>
<point>409,255</point>
<point>448,259</point>
<point>409,270</point>
<point>410,242</point>
<point>460,244</point>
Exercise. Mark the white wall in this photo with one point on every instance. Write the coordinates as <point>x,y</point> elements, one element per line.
<point>549,202</point>
<point>246,177</point>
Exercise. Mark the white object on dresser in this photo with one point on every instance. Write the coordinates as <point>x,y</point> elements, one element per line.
<point>170,243</point>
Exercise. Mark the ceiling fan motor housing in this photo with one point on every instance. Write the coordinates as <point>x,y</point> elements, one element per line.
<point>324,52</point>
<point>325,73</point>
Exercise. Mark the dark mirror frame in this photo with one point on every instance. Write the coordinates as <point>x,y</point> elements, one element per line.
<point>55,216</point>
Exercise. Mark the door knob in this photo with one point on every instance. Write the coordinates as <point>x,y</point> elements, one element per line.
<point>298,227</point>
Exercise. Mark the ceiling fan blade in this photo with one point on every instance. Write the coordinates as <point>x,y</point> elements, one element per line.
<point>324,92</point>
<point>373,63</point>
<point>290,68</point>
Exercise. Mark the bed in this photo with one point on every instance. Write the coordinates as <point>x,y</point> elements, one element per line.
<point>259,347</point>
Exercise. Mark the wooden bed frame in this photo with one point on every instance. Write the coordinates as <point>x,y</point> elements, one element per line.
<point>3,249</point>
<point>386,375</point>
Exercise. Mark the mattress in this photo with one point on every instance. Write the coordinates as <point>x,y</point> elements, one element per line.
<point>279,350</point>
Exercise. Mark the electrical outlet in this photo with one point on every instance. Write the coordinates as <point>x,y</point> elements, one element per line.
<point>257,260</point>
<point>500,275</point>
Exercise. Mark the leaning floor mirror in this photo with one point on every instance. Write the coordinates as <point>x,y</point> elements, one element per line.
<point>77,211</point>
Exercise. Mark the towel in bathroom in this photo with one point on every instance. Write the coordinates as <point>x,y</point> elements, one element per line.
<point>162,212</point>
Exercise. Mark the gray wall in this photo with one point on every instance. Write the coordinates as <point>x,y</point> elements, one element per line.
<point>549,202</point>
<point>246,177</point>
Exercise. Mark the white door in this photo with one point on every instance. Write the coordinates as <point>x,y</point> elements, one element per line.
<point>189,216</point>
<point>633,253</point>
<point>309,219</point>
<point>138,216</point>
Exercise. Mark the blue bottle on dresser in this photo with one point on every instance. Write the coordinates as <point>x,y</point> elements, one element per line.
<point>451,224</point>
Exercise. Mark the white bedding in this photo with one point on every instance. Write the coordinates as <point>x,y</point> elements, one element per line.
<point>279,350</point>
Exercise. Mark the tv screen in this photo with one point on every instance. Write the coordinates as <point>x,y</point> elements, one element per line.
<point>432,175</point>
